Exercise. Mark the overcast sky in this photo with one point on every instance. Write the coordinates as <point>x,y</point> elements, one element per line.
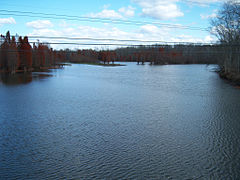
<point>152,13</point>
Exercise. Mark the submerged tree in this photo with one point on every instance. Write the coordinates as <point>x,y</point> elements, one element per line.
<point>13,56</point>
<point>20,56</point>
<point>9,59</point>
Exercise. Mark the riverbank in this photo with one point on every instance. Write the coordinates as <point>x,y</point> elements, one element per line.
<point>99,64</point>
<point>232,78</point>
<point>32,69</point>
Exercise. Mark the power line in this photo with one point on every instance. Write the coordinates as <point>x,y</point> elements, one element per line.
<point>164,43</point>
<point>89,38</point>
<point>181,50</point>
<point>108,39</point>
<point>105,39</point>
<point>94,19</point>
<point>115,44</point>
<point>96,44</point>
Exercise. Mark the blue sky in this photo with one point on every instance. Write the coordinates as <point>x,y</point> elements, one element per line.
<point>190,13</point>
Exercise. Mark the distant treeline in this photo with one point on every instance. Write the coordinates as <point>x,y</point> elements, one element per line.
<point>170,54</point>
<point>19,56</point>
<point>155,54</point>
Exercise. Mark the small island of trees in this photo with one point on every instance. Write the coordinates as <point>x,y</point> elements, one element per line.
<point>19,56</point>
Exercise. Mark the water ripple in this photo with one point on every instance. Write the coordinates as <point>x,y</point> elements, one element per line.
<point>136,122</point>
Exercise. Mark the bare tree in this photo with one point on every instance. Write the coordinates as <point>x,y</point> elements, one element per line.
<point>226,27</point>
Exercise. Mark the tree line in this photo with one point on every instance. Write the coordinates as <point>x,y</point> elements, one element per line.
<point>170,54</point>
<point>20,56</point>
<point>154,54</point>
<point>17,55</point>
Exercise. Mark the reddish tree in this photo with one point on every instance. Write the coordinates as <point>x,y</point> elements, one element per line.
<point>161,50</point>
<point>9,54</point>
<point>28,52</point>
<point>25,52</point>
<point>41,55</point>
<point>13,56</point>
<point>4,49</point>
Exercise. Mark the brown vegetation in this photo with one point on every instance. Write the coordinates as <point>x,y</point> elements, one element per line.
<point>19,56</point>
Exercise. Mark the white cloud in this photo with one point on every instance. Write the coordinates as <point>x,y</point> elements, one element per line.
<point>127,11</point>
<point>79,31</point>
<point>46,32</point>
<point>106,13</point>
<point>204,16</point>
<point>63,24</point>
<point>146,32</point>
<point>209,39</point>
<point>40,24</point>
<point>188,38</point>
<point>160,9</point>
<point>206,2</point>
<point>112,14</point>
<point>208,16</point>
<point>106,6</point>
<point>7,21</point>
<point>148,28</point>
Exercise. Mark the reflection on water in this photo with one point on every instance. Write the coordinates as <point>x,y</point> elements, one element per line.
<point>22,78</point>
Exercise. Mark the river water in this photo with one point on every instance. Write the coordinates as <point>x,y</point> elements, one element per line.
<point>128,122</point>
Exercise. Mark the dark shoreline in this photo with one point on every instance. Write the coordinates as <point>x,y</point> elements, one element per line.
<point>232,78</point>
<point>33,69</point>
<point>98,64</point>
